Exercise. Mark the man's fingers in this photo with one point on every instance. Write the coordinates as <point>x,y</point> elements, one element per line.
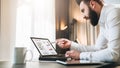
<point>72,54</point>
<point>61,44</point>
<point>68,54</point>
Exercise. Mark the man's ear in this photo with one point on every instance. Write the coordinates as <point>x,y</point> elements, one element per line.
<point>92,4</point>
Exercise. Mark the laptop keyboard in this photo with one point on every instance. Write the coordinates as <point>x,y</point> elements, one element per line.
<point>61,55</point>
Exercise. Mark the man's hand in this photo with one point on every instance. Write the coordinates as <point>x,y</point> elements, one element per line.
<point>73,54</point>
<point>63,43</point>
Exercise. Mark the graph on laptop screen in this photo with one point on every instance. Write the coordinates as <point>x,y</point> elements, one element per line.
<point>45,47</point>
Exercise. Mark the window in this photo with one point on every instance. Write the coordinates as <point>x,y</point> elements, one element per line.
<point>35,18</point>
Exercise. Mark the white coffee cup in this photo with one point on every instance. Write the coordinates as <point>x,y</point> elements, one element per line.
<point>20,55</point>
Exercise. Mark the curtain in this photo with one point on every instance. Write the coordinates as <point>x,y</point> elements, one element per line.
<point>35,18</point>
<point>7,29</point>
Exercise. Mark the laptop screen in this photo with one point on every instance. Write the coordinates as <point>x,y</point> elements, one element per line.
<point>44,46</point>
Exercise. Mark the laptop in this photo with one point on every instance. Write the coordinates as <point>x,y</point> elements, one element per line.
<point>46,49</point>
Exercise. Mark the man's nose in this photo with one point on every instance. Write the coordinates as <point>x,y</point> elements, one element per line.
<point>85,17</point>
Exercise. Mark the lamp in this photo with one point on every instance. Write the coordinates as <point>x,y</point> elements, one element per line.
<point>63,25</point>
<point>64,28</point>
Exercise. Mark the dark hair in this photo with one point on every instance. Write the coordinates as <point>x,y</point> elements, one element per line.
<point>78,1</point>
<point>87,1</point>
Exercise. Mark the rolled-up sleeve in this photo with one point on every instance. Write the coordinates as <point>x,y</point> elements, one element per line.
<point>82,48</point>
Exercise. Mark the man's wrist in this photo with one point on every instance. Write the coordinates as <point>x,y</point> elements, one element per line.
<point>72,46</point>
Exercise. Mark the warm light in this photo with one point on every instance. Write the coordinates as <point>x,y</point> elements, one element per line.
<point>63,28</point>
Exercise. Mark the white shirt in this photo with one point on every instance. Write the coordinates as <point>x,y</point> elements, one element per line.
<point>107,47</point>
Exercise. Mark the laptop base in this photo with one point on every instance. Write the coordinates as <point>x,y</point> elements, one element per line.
<point>52,58</point>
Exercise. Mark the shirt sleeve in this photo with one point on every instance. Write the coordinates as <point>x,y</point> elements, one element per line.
<point>111,52</point>
<point>100,44</point>
<point>87,50</point>
<point>82,48</point>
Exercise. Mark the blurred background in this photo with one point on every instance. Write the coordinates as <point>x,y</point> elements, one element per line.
<point>52,19</point>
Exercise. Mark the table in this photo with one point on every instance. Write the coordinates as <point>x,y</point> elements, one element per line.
<point>34,64</point>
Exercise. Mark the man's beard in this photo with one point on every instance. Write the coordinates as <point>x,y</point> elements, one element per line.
<point>93,17</point>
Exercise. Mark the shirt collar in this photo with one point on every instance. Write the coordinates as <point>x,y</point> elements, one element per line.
<point>102,14</point>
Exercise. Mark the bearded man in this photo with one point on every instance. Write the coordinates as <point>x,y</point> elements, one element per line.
<point>107,46</point>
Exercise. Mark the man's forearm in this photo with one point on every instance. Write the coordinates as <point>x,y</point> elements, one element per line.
<point>82,48</point>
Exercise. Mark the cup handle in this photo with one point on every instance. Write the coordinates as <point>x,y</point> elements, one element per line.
<point>31,55</point>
